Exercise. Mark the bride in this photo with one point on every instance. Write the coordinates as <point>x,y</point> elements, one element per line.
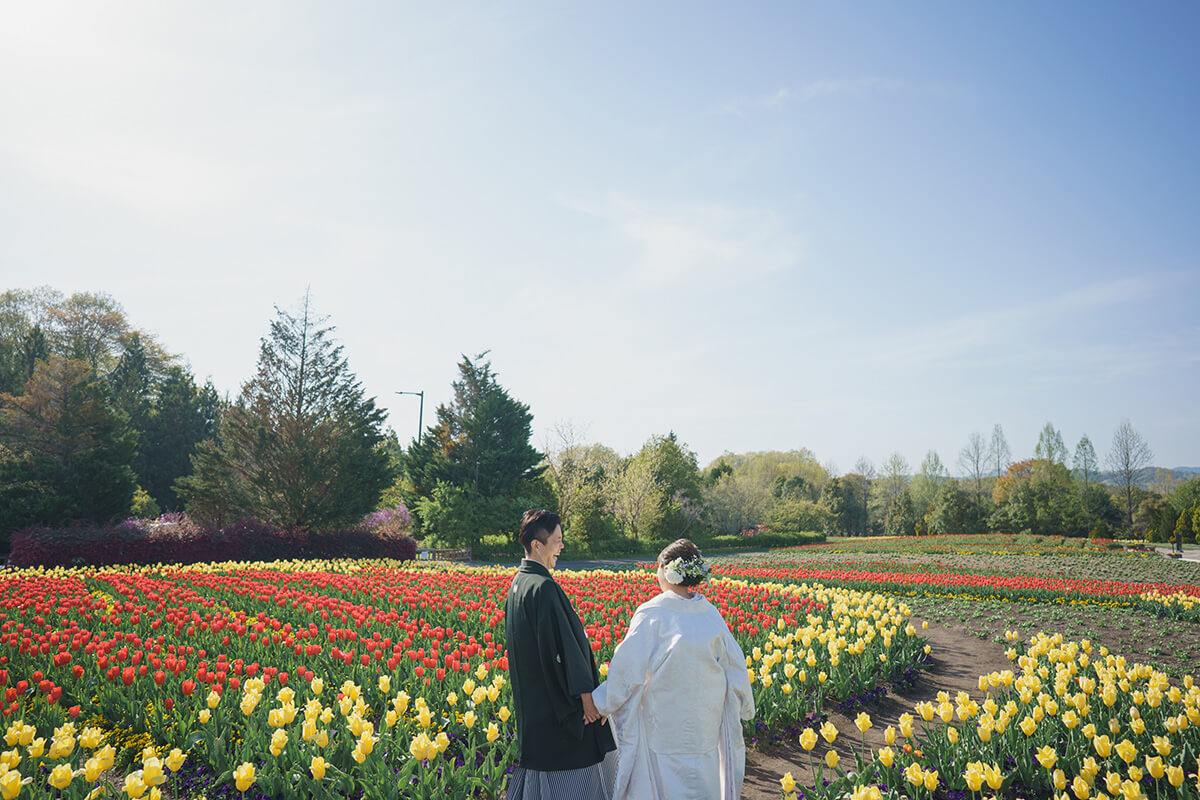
<point>676,692</point>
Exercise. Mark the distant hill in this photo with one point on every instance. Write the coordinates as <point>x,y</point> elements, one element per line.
<point>1152,475</point>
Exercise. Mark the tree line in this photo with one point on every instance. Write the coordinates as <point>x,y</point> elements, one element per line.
<point>98,421</point>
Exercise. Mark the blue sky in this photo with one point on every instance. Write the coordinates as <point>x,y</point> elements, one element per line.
<point>857,228</point>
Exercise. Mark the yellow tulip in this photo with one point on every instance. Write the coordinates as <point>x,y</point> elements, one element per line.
<point>503,713</point>
<point>1112,781</point>
<point>889,734</point>
<point>995,779</point>
<point>808,739</point>
<point>886,756</point>
<point>1175,776</point>
<point>914,774</point>
<point>829,732</point>
<point>1154,766</point>
<point>1028,726</point>
<point>205,715</point>
<point>1103,746</point>
<point>214,699</point>
<point>175,759</point>
<point>831,759</point>
<point>243,776</point>
<point>10,784</point>
<point>37,747</point>
<point>91,770</point>
<point>317,767</point>
<point>1080,788</point>
<point>931,780</point>
<point>60,776</point>
<point>317,685</point>
<point>1047,757</point>
<point>1127,751</point>
<point>91,738</point>
<point>1060,780</point>
<point>493,733</point>
<point>787,782</point>
<point>974,776</point>
<point>152,772</point>
<point>135,787</point>
<point>952,735</point>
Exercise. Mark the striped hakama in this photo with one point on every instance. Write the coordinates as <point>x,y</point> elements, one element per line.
<point>587,783</point>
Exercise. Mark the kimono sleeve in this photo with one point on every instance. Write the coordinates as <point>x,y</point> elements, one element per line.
<point>736,676</point>
<point>561,653</point>
<point>628,667</point>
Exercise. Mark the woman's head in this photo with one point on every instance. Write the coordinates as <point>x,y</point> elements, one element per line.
<point>686,551</point>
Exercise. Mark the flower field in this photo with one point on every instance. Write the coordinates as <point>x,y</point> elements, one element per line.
<point>362,679</point>
<point>1010,568</point>
<point>1071,721</point>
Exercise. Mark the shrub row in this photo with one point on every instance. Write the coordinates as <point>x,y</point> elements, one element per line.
<point>491,550</point>
<point>132,542</point>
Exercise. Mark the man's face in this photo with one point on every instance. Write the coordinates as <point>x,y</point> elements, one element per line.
<point>547,553</point>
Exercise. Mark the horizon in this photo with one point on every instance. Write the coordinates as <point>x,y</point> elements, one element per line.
<point>854,230</point>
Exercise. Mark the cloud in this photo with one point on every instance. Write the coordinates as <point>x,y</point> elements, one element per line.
<point>745,105</point>
<point>741,106</point>
<point>711,244</point>
<point>1023,335</point>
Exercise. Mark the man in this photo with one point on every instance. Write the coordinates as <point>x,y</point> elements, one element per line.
<point>566,749</point>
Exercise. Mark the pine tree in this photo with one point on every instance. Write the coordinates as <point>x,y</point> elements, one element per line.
<point>472,469</point>
<point>182,416</point>
<point>303,446</point>
<point>64,453</point>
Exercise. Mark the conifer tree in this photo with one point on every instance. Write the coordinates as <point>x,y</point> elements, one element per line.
<point>303,446</point>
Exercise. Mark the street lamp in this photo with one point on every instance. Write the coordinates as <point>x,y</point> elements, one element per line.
<point>420,414</point>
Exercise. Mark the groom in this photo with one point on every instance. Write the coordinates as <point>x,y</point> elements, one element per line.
<point>564,744</point>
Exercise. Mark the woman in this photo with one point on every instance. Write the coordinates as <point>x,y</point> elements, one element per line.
<point>677,691</point>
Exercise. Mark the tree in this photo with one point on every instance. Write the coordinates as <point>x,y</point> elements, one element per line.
<point>64,454</point>
<point>735,502</point>
<point>999,454</point>
<point>1050,446</point>
<point>635,489</point>
<point>479,454</point>
<point>303,446</point>
<point>928,481</point>
<point>576,469</point>
<point>902,517</point>
<point>181,417</point>
<point>656,494</point>
<point>1085,461</point>
<point>950,511</point>
<point>972,460</point>
<point>1128,459</point>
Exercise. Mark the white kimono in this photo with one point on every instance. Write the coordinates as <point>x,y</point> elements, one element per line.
<point>675,694</point>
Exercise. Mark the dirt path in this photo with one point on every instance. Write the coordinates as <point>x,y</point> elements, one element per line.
<point>958,660</point>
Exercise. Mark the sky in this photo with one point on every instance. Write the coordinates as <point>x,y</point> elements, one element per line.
<point>858,228</point>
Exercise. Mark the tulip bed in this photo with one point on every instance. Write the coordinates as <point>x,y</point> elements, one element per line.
<point>1070,722</point>
<point>1014,569</point>
<point>334,679</point>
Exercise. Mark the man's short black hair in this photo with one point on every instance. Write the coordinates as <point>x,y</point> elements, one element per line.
<point>538,524</point>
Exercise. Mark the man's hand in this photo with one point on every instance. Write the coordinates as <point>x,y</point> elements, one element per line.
<point>590,713</point>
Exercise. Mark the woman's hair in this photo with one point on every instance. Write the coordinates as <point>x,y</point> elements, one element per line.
<point>687,550</point>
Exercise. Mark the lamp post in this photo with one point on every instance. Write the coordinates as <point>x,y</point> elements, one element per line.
<point>420,413</point>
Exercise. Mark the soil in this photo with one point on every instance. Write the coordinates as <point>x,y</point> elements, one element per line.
<point>958,659</point>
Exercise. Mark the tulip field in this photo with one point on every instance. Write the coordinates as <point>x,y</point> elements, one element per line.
<point>1071,717</point>
<point>1070,721</point>
<point>350,678</point>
